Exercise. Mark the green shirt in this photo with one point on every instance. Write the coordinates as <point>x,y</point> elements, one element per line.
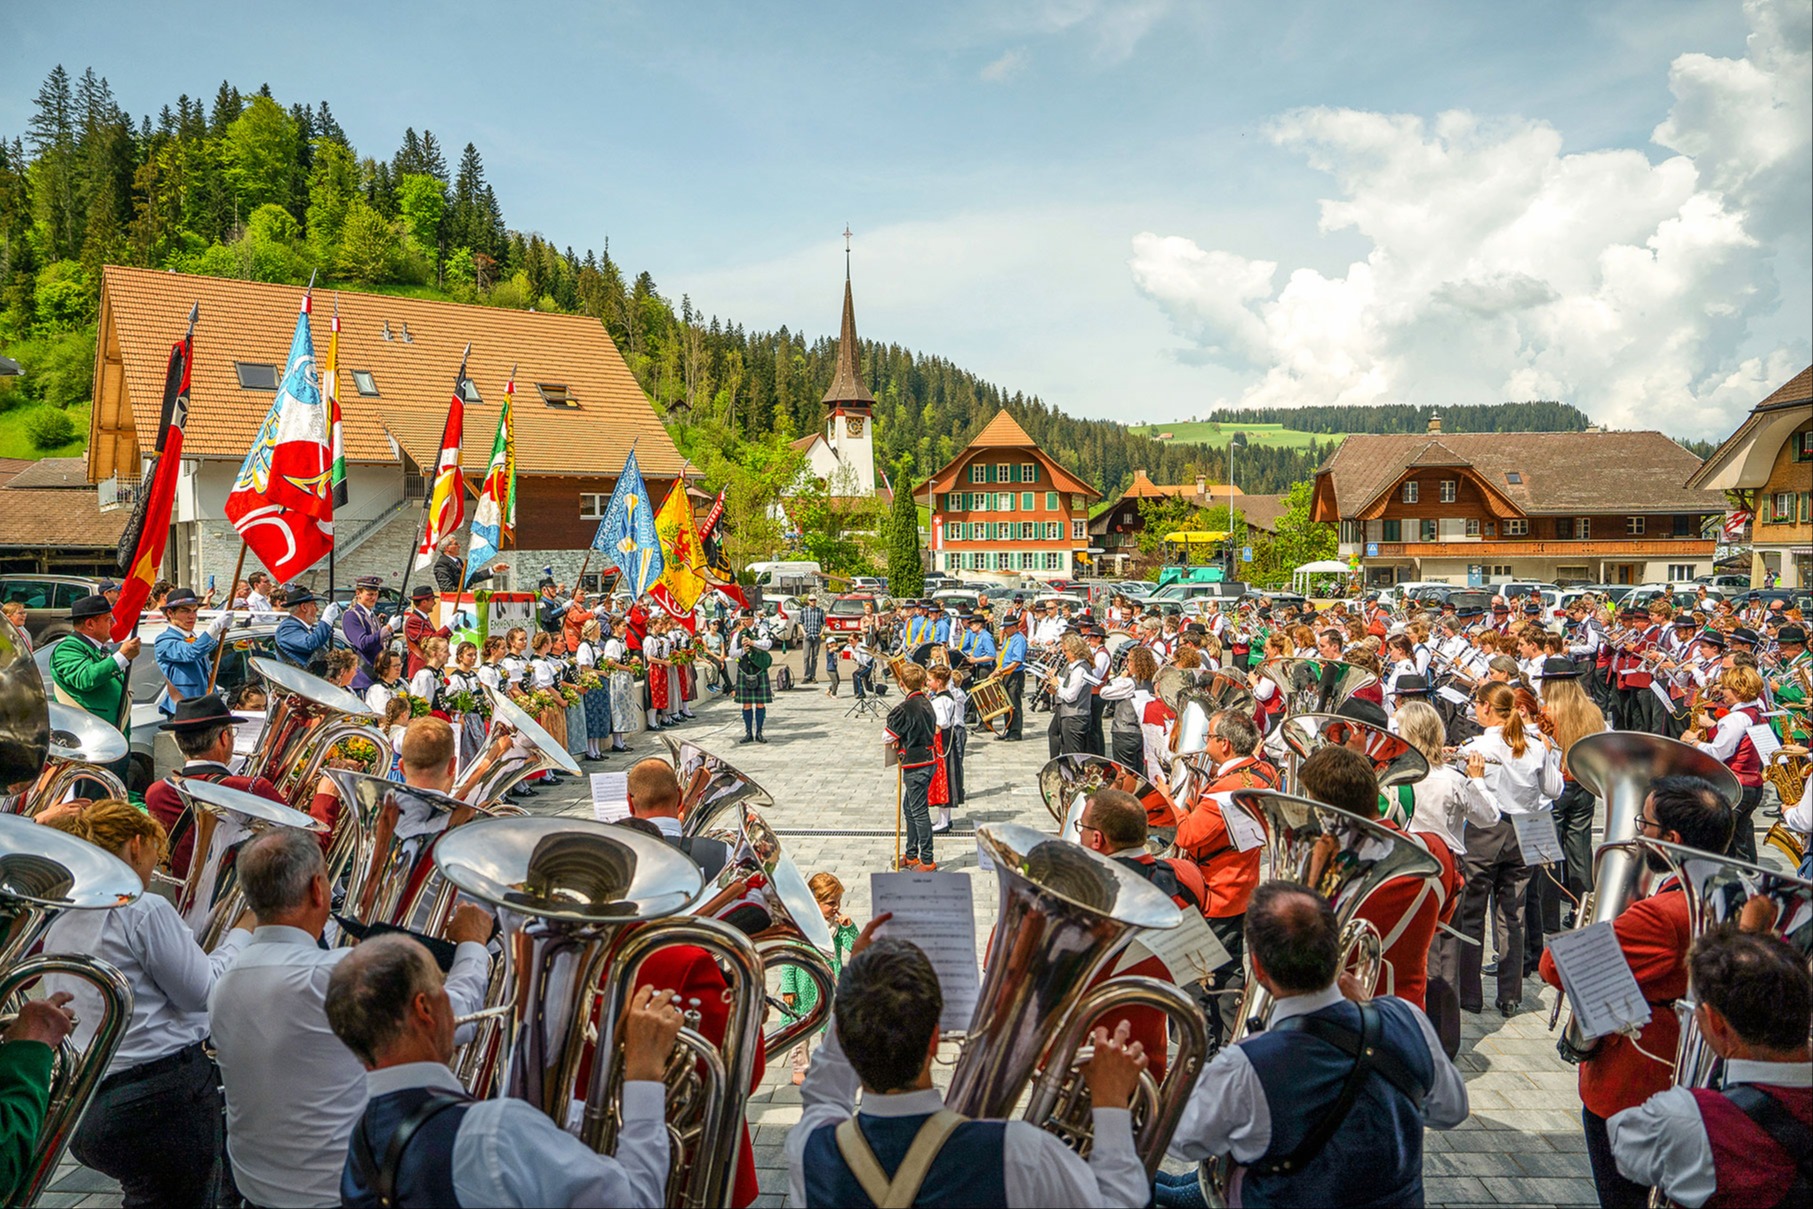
<point>24,1097</point>
<point>796,983</point>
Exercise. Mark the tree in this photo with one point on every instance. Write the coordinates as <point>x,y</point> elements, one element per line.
<point>422,203</point>
<point>368,245</point>
<point>906,575</point>
<point>259,153</point>
<point>333,184</point>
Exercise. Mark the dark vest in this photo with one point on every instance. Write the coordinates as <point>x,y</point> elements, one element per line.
<point>969,1170</point>
<point>425,1174</point>
<point>1376,1156</point>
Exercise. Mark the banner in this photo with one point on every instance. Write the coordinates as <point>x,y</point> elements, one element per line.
<point>330,387</point>
<point>447,498</point>
<point>148,533</point>
<point>674,525</point>
<point>282,502</point>
<point>626,535</point>
<point>494,518</point>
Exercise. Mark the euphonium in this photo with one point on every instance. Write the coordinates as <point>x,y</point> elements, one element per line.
<point>80,744</point>
<point>209,898</point>
<point>1304,681</point>
<point>307,717</point>
<point>42,872</point>
<point>24,724</point>
<point>710,786</point>
<point>583,905</point>
<point>1394,761</point>
<point>1617,766</point>
<point>516,748</point>
<point>1066,783</point>
<point>1066,913</point>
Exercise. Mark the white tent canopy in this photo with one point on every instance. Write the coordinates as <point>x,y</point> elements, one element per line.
<point>1300,578</point>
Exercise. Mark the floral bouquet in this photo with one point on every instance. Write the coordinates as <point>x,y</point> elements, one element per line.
<point>418,706</point>
<point>682,656</point>
<point>541,700</point>
<point>589,680</point>
<point>636,668</point>
<point>466,701</point>
<point>570,694</point>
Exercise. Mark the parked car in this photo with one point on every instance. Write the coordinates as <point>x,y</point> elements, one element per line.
<point>1178,593</point>
<point>845,614</point>
<point>957,598</point>
<point>868,583</point>
<point>1435,596</point>
<point>47,599</point>
<point>1730,583</point>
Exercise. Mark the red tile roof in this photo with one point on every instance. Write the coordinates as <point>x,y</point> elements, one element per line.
<point>54,516</point>
<point>143,312</point>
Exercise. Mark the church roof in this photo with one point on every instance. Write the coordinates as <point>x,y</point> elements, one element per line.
<point>846,384</point>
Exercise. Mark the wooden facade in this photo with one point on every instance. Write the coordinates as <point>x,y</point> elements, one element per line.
<point>1767,464</point>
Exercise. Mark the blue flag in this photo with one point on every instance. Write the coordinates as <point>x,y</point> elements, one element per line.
<point>627,534</point>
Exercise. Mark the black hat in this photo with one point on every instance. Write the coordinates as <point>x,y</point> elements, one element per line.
<point>1196,630</point>
<point>1449,604</point>
<point>1744,634</point>
<point>934,605</point>
<point>980,616</point>
<point>1534,606</point>
<point>1710,636</point>
<point>1411,685</point>
<point>105,586</point>
<point>89,606</point>
<point>181,598</point>
<point>364,581</point>
<point>1501,607</point>
<point>1362,710</point>
<point>745,612</point>
<point>195,713</point>
<point>1558,667</point>
<point>1684,621</point>
<point>1464,614</point>
<point>295,595</point>
<point>421,592</point>
<point>1792,633</point>
<point>1370,597</point>
<point>1094,631</point>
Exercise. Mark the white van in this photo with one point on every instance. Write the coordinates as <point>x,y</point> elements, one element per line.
<point>783,578</point>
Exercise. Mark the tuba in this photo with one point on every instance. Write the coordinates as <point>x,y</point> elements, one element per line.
<point>1394,761</point>
<point>1617,767</point>
<point>1315,685</point>
<point>1066,913</point>
<point>80,744</point>
<point>516,748</point>
<point>24,726</point>
<point>308,717</point>
<point>710,787</point>
<point>1066,782</point>
<point>43,871</point>
<point>209,898</point>
<point>582,906</point>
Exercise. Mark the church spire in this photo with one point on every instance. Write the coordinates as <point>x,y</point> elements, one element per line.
<point>846,384</point>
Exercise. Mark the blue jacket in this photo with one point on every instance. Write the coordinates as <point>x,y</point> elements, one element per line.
<point>298,644</point>
<point>186,660</point>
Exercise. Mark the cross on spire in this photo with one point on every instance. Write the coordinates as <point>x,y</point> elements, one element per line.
<point>846,251</point>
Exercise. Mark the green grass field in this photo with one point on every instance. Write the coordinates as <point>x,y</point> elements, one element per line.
<point>1273,436</point>
<point>15,444</point>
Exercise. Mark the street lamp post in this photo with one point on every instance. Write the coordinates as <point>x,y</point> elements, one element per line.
<point>1236,439</point>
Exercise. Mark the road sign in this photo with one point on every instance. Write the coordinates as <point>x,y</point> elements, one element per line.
<point>1372,549</point>
<point>1246,554</point>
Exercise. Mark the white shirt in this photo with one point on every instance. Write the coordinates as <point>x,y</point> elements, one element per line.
<point>513,667</point>
<point>945,710</point>
<point>1446,801</point>
<point>424,683</point>
<point>1227,1113</point>
<point>492,675</point>
<point>508,1152</point>
<point>1074,684</point>
<point>1724,741</point>
<point>258,602</point>
<point>542,670</point>
<point>1662,1141</point>
<point>148,942</point>
<point>378,696</point>
<point>1038,1168</point>
<point>1518,784</point>
<point>294,1091</point>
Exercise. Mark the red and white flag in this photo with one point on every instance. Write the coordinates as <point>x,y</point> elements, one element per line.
<point>447,498</point>
<point>282,502</point>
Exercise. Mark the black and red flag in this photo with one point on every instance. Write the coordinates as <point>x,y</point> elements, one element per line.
<point>148,532</point>
<point>716,562</point>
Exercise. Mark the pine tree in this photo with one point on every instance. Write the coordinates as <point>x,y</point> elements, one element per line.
<point>906,575</point>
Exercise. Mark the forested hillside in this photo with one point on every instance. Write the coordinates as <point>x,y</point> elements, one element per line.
<point>1534,416</point>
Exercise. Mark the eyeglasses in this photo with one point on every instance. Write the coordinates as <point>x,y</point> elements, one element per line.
<point>1649,824</point>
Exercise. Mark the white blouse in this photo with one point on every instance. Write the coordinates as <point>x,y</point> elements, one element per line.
<point>1446,801</point>
<point>1519,784</point>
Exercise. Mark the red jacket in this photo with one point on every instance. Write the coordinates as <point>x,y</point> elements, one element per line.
<point>1654,933</point>
<point>1231,876</point>
<point>1185,887</point>
<point>163,804</point>
<point>418,629</point>
<point>1410,907</point>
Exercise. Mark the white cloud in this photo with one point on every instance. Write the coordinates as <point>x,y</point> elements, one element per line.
<point>1503,268</point>
<point>1005,68</point>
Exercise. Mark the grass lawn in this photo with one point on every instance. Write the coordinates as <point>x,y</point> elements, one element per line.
<point>15,444</point>
<point>1269,435</point>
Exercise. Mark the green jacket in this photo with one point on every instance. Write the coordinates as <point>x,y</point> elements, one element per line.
<point>91,679</point>
<point>24,1097</point>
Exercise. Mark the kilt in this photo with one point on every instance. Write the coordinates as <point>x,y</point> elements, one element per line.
<point>754,690</point>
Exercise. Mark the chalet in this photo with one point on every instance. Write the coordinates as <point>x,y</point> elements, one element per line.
<point>578,411</point>
<point>1768,463</point>
<point>1481,508</point>
<point>1116,528</point>
<point>1005,505</point>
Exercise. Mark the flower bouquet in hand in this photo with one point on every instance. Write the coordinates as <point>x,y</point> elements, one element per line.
<point>683,656</point>
<point>589,680</point>
<point>418,706</point>
<point>465,701</point>
<point>569,694</point>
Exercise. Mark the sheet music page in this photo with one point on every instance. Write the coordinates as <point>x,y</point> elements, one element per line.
<point>1762,737</point>
<point>610,796</point>
<point>1537,836</point>
<point>936,912</point>
<point>1244,831</point>
<point>1662,694</point>
<point>1190,950</point>
<point>1598,980</point>
<point>1448,692</point>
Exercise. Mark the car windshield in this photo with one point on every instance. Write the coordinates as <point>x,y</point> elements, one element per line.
<point>847,608</point>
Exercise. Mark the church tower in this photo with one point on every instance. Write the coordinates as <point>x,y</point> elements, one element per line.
<point>849,407</point>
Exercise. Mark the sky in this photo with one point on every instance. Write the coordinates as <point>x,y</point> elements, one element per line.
<point>1135,209</point>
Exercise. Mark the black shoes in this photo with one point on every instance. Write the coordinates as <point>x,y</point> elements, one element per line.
<point>761,738</point>
<point>747,739</point>
<point>1508,1008</point>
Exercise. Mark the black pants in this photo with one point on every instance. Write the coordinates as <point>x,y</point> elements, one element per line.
<point>916,789</point>
<point>1441,1000</point>
<point>1223,1010</point>
<point>1643,711</point>
<point>1067,733</point>
<point>1574,824</point>
<point>1541,912</point>
<point>1496,877</point>
<point>1130,747</point>
<point>1743,835</point>
<point>1615,1192</point>
<point>1092,740</point>
<point>812,647</point>
<point>1016,694</point>
<point>162,1136</point>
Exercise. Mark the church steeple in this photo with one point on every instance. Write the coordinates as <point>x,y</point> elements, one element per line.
<point>847,391</point>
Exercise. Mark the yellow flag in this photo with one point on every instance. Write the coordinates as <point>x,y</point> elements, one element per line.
<point>675,526</point>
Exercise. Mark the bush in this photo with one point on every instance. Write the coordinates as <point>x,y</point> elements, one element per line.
<point>59,371</point>
<point>49,428</point>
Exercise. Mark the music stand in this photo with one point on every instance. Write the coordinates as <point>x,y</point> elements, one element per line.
<point>868,706</point>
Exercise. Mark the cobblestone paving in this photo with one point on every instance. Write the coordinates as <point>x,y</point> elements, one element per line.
<point>834,810</point>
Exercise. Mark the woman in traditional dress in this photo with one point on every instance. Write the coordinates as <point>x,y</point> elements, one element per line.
<point>465,677</point>
<point>626,695</point>
<point>597,701</point>
<point>654,650</point>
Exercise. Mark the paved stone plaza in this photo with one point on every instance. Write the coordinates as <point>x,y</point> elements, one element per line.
<point>834,809</point>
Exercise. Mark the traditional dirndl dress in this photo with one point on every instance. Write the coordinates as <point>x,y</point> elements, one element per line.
<point>597,703</point>
<point>626,695</point>
<point>940,793</point>
<point>654,649</point>
<point>576,727</point>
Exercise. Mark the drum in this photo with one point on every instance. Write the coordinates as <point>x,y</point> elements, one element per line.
<point>895,665</point>
<point>992,703</point>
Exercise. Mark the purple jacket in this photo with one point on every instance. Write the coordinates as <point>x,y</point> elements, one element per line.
<point>366,637</point>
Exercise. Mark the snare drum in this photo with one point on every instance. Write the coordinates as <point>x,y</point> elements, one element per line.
<point>992,703</point>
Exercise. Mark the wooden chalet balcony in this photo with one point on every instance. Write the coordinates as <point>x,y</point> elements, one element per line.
<point>1656,547</point>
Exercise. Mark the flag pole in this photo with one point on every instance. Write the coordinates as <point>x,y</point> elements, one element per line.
<point>220,646</point>
<point>428,500</point>
<point>331,550</point>
<point>188,364</point>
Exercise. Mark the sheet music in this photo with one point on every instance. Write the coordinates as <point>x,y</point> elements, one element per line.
<point>1244,831</point>
<point>1190,951</point>
<point>1598,980</point>
<point>610,796</point>
<point>1762,737</point>
<point>1448,692</point>
<point>936,912</point>
<point>1657,687</point>
<point>1537,836</point>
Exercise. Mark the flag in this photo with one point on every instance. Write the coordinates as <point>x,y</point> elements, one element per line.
<point>714,561</point>
<point>282,502</point>
<point>495,517</point>
<point>627,534</point>
<point>686,617</point>
<point>447,498</point>
<point>1735,522</point>
<point>148,532</point>
<point>679,536</point>
<point>330,389</point>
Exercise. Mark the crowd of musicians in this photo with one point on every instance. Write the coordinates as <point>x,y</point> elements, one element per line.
<point>286,1066</point>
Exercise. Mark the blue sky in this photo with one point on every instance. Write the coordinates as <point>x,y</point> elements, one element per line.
<point>1116,204</point>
